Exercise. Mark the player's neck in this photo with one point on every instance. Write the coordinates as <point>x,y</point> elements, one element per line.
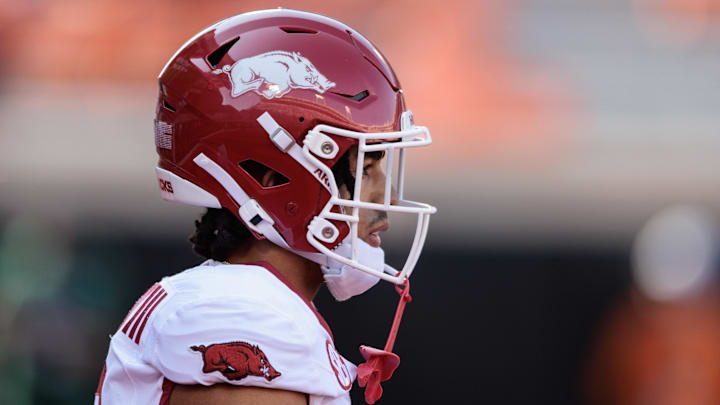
<point>303,274</point>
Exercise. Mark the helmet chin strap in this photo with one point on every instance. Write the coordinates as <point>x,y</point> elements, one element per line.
<point>252,214</point>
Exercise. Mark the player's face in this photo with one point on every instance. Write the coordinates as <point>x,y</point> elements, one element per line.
<point>373,187</point>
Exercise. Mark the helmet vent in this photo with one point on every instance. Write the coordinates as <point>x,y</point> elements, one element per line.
<point>215,57</point>
<point>292,30</point>
<point>258,171</point>
<point>168,106</point>
<point>358,97</point>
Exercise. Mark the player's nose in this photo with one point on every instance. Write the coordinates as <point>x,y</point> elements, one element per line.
<point>381,195</point>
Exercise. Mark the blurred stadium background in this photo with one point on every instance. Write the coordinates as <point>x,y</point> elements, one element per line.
<point>560,128</point>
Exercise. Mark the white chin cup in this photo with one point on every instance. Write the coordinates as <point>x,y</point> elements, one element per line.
<point>345,281</point>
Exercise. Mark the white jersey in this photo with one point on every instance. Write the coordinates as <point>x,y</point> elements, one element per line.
<point>221,323</point>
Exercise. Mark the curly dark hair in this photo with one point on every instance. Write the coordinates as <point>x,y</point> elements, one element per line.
<point>219,232</point>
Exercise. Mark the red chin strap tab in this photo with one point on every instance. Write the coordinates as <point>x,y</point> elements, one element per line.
<point>380,364</point>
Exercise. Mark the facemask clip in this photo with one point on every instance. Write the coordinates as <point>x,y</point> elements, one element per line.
<point>321,145</point>
<point>324,230</point>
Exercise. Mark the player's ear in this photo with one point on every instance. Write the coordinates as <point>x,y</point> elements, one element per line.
<point>272,178</point>
<point>269,179</point>
<point>264,175</point>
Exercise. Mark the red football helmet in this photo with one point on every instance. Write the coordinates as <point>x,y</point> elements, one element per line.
<point>292,91</point>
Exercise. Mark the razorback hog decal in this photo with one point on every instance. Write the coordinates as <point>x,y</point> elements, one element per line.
<point>236,360</point>
<point>274,74</point>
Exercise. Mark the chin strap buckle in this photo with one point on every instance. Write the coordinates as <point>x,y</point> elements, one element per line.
<point>380,364</point>
<point>253,215</point>
<point>278,135</point>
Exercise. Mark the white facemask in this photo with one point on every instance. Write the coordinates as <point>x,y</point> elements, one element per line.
<point>345,281</point>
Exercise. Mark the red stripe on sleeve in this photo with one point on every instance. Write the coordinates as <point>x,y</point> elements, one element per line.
<point>140,331</point>
<point>142,313</point>
<point>140,307</point>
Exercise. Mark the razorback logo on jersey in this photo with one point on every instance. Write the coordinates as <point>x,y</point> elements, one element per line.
<point>236,360</point>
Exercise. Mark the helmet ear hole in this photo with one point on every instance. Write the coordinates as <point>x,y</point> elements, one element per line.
<point>263,175</point>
